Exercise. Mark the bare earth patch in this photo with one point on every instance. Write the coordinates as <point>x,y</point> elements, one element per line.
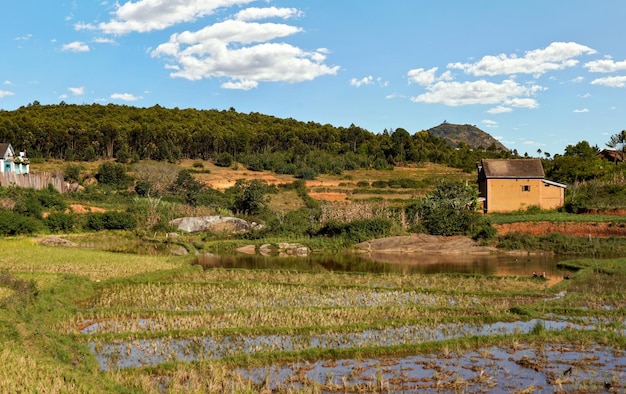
<point>422,243</point>
<point>569,228</point>
<point>78,208</point>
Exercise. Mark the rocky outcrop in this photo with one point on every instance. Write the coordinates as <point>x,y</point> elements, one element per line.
<point>216,224</point>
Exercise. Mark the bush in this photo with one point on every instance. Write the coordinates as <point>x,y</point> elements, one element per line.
<point>224,160</point>
<point>358,230</point>
<point>110,221</point>
<point>16,224</point>
<point>60,222</point>
<point>112,174</point>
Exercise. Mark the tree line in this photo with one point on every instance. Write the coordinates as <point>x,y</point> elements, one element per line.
<point>260,142</point>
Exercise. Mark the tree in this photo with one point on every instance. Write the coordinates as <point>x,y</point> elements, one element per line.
<point>249,196</point>
<point>112,174</point>
<point>448,210</point>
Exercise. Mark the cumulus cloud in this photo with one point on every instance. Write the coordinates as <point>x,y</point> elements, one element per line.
<point>75,46</point>
<point>605,66</point>
<point>5,93</point>
<point>613,82</point>
<point>77,91</point>
<point>454,93</point>
<point>148,15</point>
<point>556,56</point>
<point>582,110</point>
<point>489,123</point>
<point>237,49</point>
<point>125,97</point>
<point>240,51</point>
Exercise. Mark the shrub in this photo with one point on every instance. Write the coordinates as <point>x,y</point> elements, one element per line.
<point>362,184</point>
<point>16,224</point>
<point>224,160</point>
<point>358,230</point>
<point>380,184</point>
<point>110,221</point>
<point>112,174</point>
<point>60,222</point>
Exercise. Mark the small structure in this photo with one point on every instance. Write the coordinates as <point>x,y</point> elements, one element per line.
<point>9,162</point>
<point>612,155</point>
<point>514,184</point>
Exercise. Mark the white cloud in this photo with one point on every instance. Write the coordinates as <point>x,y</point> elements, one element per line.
<point>578,79</point>
<point>254,13</point>
<point>605,66</point>
<point>614,82</point>
<point>479,92</point>
<point>103,40</point>
<point>5,93</point>
<point>125,97</point>
<point>239,51</point>
<point>75,46</point>
<point>422,77</point>
<point>583,110</point>
<point>241,85</point>
<point>7,82</point>
<point>556,56</point>
<point>500,109</point>
<point>24,38</point>
<point>363,81</point>
<point>490,123</point>
<point>77,91</point>
<point>148,15</point>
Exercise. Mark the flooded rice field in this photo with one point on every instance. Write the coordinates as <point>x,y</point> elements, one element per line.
<point>138,353</point>
<point>355,325</point>
<point>546,369</point>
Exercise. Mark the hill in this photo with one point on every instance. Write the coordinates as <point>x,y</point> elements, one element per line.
<point>454,134</point>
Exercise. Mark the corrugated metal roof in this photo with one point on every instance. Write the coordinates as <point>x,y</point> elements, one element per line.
<point>513,168</point>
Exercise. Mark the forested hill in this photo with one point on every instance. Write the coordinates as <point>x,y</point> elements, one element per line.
<point>455,134</point>
<point>91,132</point>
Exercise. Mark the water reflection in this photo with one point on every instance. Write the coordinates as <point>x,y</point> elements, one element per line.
<point>497,265</point>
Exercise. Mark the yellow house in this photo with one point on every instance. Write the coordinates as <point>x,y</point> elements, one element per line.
<point>514,184</point>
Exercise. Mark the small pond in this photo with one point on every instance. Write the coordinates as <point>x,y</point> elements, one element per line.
<point>495,264</point>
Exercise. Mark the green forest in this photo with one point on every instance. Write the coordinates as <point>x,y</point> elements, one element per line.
<point>260,142</point>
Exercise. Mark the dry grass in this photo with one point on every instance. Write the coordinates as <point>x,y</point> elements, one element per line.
<point>27,256</point>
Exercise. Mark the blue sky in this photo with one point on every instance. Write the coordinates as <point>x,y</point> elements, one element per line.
<point>534,74</point>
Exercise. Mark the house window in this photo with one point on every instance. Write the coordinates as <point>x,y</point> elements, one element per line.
<point>525,188</point>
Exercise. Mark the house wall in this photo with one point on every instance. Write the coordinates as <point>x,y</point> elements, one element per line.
<point>552,196</point>
<point>507,195</point>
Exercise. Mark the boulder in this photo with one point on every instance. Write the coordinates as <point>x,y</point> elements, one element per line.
<point>216,224</point>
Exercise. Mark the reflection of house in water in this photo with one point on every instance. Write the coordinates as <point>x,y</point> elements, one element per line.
<point>514,184</point>
<point>9,162</point>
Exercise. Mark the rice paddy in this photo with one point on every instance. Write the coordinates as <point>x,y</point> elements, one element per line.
<point>116,322</point>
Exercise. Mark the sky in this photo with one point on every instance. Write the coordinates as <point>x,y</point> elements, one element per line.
<point>536,75</point>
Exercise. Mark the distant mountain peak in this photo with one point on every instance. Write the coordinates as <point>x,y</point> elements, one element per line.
<point>454,134</point>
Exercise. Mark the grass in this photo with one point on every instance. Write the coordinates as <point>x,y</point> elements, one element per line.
<point>552,216</point>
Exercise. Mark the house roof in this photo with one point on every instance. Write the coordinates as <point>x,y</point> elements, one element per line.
<point>512,168</point>
<point>4,148</point>
<point>613,155</point>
